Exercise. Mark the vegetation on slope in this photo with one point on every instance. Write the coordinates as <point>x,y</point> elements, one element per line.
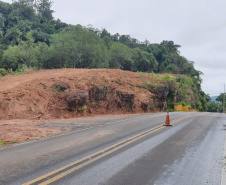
<point>29,35</point>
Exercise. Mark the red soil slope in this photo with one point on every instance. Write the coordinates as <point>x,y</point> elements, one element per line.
<point>34,96</point>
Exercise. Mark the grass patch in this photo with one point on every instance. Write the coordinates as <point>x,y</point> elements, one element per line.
<point>15,141</point>
<point>44,85</point>
<point>134,84</point>
<point>58,89</point>
<point>82,109</point>
<point>141,75</point>
<point>2,142</point>
<point>153,75</point>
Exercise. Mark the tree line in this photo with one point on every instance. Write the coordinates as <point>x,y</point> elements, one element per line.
<point>218,104</point>
<point>29,35</point>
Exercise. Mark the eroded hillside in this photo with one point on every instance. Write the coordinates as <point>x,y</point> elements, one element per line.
<point>68,93</point>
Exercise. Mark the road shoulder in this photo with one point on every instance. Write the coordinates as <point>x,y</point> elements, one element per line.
<point>223,179</point>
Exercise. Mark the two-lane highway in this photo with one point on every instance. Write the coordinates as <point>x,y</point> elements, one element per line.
<point>138,150</point>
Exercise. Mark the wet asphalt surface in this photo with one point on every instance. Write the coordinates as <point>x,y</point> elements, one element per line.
<point>188,153</point>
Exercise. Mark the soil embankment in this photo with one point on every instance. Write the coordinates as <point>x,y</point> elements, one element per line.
<point>67,93</point>
<point>28,99</point>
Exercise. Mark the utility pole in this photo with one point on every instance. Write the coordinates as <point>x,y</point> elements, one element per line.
<point>224,98</point>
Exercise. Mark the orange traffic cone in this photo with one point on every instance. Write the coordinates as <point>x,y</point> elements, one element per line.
<point>167,123</point>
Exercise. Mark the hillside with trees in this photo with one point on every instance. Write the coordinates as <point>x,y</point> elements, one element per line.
<point>31,37</point>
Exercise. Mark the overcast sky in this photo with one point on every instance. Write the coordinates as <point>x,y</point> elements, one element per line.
<point>199,26</point>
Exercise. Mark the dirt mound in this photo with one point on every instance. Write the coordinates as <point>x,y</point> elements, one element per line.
<point>68,93</point>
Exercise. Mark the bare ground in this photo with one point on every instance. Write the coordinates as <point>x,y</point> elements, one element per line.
<point>31,108</point>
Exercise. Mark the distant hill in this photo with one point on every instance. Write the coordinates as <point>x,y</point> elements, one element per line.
<point>213,98</point>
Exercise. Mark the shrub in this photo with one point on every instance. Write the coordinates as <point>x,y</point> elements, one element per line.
<point>2,142</point>
<point>183,103</point>
<point>166,77</point>
<point>58,89</point>
<point>3,72</point>
<point>82,109</point>
<point>141,75</point>
<point>133,84</point>
<point>153,75</point>
<point>170,103</point>
<point>23,69</point>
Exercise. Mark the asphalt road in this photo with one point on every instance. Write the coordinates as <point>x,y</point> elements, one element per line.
<point>136,151</point>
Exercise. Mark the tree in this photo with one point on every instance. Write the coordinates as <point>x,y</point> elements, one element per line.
<point>5,8</point>
<point>41,54</point>
<point>107,42</point>
<point>159,52</point>
<point>171,47</point>
<point>11,58</point>
<point>59,25</point>
<point>120,56</point>
<point>24,26</point>
<point>128,41</point>
<point>77,47</point>
<point>12,36</point>
<point>144,61</point>
<point>2,21</point>
<point>40,36</point>
<point>27,49</point>
<point>2,25</point>
<point>220,98</point>
<point>23,9</point>
<point>105,33</point>
<point>213,107</point>
<point>44,9</point>
<point>64,50</point>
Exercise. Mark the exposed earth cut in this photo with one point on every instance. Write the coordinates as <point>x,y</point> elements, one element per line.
<point>69,93</point>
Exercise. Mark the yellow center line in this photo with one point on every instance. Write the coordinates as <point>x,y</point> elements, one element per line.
<point>91,161</point>
<point>93,157</point>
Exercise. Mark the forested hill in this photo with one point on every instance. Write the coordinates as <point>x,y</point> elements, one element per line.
<point>29,35</point>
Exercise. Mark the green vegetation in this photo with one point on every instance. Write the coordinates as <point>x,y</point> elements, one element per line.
<point>31,36</point>
<point>30,39</point>
<point>44,85</point>
<point>2,142</point>
<point>183,103</point>
<point>153,75</point>
<point>166,77</point>
<point>220,98</point>
<point>213,107</point>
<point>181,90</point>
<point>82,109</point>
<point>3,72</point>
<point>141,75</point>
<point>217,106</point>
<point>58,89</point>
